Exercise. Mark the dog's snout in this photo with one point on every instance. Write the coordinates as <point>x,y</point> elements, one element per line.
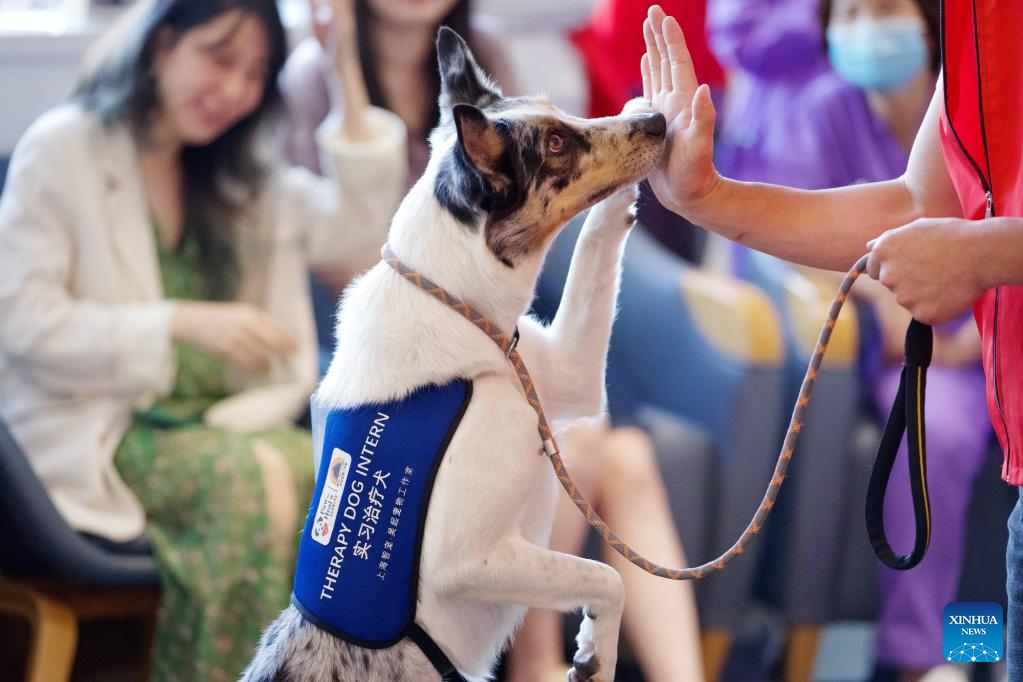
<point>652,125</point>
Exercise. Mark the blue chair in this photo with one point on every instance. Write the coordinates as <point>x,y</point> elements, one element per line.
<point>804,531</point>
<point>54,577</point>
<point>694,353</point>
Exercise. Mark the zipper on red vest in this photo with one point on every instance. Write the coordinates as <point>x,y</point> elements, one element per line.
<point>989,213</point>
<point>987,184</point>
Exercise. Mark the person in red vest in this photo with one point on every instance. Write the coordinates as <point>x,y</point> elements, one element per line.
<point>945,236</point>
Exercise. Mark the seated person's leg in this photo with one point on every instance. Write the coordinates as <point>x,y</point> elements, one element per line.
<point>616,470</point>
<point>538,652</point>
<point>660,615</point>
<point>224,575</point>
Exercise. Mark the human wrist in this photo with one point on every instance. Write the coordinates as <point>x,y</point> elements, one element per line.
<point>182,317</point>
<point>704,206</point>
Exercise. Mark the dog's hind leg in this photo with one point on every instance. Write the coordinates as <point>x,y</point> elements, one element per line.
<point>517,572</point>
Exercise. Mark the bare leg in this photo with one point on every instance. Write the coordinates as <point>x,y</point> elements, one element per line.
<point>617,471</point>
<point>281,500</point>
<point>538,654</point>
<point>660,615</point>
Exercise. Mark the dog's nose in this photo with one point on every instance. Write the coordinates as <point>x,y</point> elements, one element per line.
<point>653,125</point>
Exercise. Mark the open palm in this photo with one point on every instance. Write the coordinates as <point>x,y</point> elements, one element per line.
<point>686,175</point>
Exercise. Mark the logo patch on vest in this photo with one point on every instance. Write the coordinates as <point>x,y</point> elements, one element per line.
<point>358,561</point>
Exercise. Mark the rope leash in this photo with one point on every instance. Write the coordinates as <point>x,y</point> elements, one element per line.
<point>550,448</point>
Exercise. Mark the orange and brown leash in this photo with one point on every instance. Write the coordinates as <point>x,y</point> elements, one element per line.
<point>550,447</point>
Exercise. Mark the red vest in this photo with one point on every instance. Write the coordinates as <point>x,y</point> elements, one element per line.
<point>982,142</point>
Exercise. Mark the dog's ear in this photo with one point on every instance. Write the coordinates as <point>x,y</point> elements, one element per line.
<point>483,145</point>
<point>461,78</point>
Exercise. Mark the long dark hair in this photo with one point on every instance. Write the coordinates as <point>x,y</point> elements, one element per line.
<point>929,11</point>
<point>120,86</point>
<point>457,18</point>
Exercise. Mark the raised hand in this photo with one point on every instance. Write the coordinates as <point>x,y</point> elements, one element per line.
<point>686,176</point>
<point>334,27</point>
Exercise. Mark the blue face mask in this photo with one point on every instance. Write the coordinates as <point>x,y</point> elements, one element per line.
<point>878,55</point>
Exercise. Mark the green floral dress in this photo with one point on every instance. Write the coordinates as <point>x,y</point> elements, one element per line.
<point>222,581</point>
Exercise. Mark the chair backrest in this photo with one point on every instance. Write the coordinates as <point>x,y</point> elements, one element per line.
<point>36,540</point>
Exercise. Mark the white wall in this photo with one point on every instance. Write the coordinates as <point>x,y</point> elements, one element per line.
<point>37,71</point>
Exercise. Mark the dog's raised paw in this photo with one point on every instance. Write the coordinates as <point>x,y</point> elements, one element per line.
<point>585,667</point>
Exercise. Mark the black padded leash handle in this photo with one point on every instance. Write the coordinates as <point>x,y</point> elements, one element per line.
<point>907,417</point>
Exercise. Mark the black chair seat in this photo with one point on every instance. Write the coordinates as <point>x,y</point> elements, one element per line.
<point>38,542</point>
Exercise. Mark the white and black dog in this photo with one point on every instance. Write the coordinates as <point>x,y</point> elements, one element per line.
<point>505,176</point>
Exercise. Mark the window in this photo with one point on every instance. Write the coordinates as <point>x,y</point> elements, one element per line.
<point>47,16</point>
<point>25,5</point>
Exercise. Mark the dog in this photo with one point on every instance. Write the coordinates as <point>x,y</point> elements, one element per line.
<point>505,175</point>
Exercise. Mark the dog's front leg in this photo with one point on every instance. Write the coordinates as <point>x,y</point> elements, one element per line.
<point>572,353</point>
<point>517,572</point>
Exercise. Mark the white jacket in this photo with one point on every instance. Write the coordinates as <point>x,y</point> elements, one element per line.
<point>85,329</point>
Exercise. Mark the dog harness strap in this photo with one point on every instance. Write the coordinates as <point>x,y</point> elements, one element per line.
<point>430,649</point>
<point>907,417</point>
<point>550,447</point>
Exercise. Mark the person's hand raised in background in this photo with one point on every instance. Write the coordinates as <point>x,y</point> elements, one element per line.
<point>334,26</point>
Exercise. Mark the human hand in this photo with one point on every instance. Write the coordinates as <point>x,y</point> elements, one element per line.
<point>333,23</point>
<point>335,28</point>
<point>931,266</point>
<point>685,178</point>
<point>239,333</point>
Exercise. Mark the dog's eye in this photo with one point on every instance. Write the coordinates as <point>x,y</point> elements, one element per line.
<point>555,143</point>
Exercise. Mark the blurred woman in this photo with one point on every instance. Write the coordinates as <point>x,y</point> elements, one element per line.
<point>156,335</point>
<point>399,65</point>
<point>395,43</point>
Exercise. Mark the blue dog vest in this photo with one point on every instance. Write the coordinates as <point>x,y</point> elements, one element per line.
<point>358,560</point>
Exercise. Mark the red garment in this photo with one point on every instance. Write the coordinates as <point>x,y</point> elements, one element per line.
<point>982,141</point>
<point>612,45</point>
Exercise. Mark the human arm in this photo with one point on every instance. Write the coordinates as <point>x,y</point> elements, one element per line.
<point>68,343</point>
<point>343,216</point>
<point>824,228</point>
<point>334,28</point>
<point>241,333</point>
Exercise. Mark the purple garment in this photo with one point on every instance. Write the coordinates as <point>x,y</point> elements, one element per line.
<point>824,135</point>
<point>773,50</point>
<point>773,40</point>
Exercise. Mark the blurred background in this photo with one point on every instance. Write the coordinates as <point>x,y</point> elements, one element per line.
<point>706,359</point>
